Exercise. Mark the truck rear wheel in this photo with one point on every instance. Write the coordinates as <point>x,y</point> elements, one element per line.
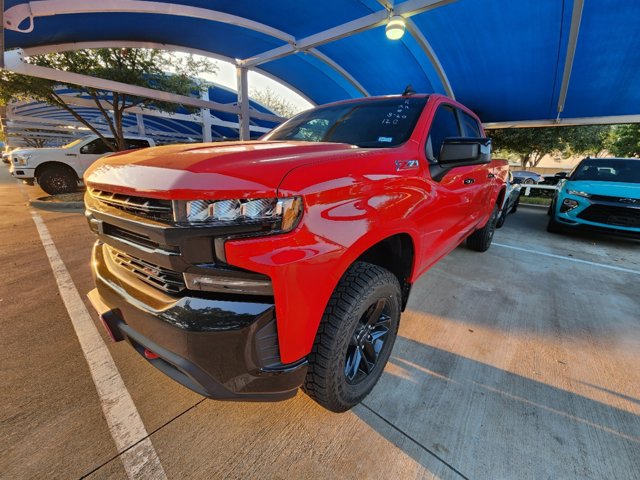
<point>480,240</point>
<point>57,179</point>
<point>355,337</point>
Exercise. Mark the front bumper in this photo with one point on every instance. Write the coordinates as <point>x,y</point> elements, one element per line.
<point>221,349</point>
<point>23,173</point>
<point>602,216</point>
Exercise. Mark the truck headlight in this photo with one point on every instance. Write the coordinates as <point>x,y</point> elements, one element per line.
<point>578,193</point>
<point>22,159</point>
<point>284,213</point>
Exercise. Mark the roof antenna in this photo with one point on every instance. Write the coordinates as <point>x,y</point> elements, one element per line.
<point>408,91</point>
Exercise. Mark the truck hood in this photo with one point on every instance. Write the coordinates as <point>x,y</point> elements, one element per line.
<point>207,171</point>
<point>34,151</point>
<point>611,189</point>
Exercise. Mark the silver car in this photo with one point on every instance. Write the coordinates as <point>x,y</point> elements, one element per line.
<point>522,176</point>
<point>511,200</point>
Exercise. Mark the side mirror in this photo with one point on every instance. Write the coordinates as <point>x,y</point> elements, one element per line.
<point>464,151</point>
<point>561,175</point>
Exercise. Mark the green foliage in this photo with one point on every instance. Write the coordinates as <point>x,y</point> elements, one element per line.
<point>139,67</point>
<point>624,140</point>
<point>531,144</point>
<point>274,102</point>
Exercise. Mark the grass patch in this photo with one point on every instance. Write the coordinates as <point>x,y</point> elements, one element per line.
<point>535,200</point>
<point>65,197</point>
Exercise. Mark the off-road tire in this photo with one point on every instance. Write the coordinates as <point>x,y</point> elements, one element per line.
<point>58,179</point>
<point>359,290</point>
<point>480,240</point>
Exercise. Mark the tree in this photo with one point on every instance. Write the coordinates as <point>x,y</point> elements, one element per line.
<point>30,139</point>
<point>139,67</point>
<point>624,140</point>
<point>274,102</point>
<point>588,140</point>
<point>531,144</point>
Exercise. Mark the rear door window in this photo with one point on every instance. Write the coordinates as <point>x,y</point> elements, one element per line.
<point>136,143</point>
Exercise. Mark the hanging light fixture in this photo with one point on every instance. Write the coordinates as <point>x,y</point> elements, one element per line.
<point>395,27</point>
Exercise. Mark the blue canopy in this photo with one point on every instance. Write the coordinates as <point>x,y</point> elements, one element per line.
<point>504,59</point>
<point>39,120</point>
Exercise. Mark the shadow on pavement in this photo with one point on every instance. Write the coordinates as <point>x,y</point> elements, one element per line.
<point>490,423</point>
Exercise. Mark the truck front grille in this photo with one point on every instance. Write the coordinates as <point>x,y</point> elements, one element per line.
<point>154,275</point>
<point>617,216</point>
<point>161,210</point>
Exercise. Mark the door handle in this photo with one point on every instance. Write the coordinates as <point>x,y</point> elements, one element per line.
<point>491,175</point>
<point>468,181</point>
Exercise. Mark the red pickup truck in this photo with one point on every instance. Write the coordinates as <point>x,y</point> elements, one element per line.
<point>245,270</point>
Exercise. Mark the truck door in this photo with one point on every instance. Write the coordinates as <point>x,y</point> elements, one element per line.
<point>449,212</point>
<point>89,153</point>
<point>482,175</point>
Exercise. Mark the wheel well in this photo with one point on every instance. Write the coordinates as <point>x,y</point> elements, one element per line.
<point>396,254</point>
<point>501,197</point>
<point>43,166</point>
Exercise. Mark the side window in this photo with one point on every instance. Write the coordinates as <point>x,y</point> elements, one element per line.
<point>470,127</point>
<point>136,143</point>
<point>444,125</point>
<point>96,147</point>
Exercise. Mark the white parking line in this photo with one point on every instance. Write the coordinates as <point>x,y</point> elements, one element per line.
<point>570,259</point>
<point>123,419</point>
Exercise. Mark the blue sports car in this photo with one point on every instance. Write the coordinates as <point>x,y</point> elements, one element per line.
<point>601,194</point>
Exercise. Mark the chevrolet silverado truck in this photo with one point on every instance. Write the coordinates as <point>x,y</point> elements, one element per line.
<point>58,170</point>
<point>245,270</point>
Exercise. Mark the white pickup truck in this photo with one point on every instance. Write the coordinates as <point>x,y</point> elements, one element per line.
<point>58,170</point>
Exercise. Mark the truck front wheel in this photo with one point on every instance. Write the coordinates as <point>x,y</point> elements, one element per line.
<point>57,179</point>
<point>355,337</point>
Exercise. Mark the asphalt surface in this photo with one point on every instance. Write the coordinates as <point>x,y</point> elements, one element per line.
<point>509,364</point>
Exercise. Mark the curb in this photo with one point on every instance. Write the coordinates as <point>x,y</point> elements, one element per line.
<point>533,205</point>
<point>43,204</point>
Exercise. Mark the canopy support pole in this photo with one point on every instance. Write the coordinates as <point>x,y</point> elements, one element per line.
<point>243,102</point>
<point>140,124</point>
<point>576,18</point>
<point>205,114</point>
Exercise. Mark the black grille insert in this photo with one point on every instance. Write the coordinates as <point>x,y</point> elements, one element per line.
<point>154,208</point>
<point>605,198</point>
<point>127,235</point>
<point>617,216</point>
<point>154,275</point>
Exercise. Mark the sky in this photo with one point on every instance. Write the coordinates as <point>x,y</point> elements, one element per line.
<point>226,76</point>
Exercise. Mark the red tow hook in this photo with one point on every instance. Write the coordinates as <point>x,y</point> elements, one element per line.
<point>148,354</point>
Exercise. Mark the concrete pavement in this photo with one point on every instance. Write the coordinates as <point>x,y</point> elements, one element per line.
<point>509,364</point>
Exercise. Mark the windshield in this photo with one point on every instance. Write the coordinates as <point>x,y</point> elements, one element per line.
<point>73,144</point>
<point>373,124</point>
<point>608,170</point>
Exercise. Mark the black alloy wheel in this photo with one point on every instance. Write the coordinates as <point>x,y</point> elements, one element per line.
<point>367,342</point>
